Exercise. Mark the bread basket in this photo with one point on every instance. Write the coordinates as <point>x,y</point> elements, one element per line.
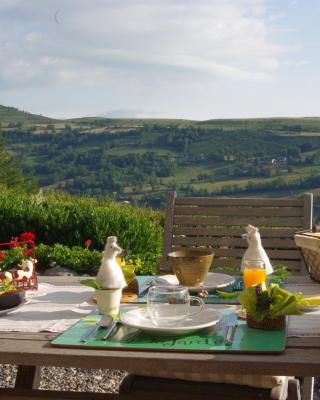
<point>309,244</point>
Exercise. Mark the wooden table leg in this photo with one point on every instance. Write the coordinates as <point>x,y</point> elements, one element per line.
<point>28,377</point>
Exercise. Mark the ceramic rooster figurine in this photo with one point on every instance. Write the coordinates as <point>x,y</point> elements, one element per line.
<point>255,251</point>
<point>25,271</point>
<point>110,275</point>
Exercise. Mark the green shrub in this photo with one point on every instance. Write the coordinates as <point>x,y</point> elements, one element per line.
<point>85,261</point>
<point>76,258</point>
<point>60,218</point>
<point>145,264</point>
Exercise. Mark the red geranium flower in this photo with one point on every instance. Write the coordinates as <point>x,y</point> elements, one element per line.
<point>27,236</point>
<point>27,252</point>
<point>88,243</point>
<point>2,255</point>
<point>13,242</point>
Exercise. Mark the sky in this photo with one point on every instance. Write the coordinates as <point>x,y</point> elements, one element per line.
<point>192,59</point>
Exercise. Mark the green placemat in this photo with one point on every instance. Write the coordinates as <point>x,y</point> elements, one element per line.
<point>246,340</point>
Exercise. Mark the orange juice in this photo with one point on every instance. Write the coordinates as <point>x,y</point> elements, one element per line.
<point>253,276</point>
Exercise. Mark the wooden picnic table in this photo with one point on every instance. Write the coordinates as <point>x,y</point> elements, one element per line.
<point>32,350</point>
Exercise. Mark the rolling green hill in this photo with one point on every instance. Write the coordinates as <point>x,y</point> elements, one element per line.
<point>280,124</point>
<point>13,115</point>
<point>138,160</point>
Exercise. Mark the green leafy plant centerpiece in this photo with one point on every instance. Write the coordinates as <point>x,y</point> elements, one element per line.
<point>266,308</point>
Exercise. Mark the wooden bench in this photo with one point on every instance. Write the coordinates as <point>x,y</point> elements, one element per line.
<point>218,223</point>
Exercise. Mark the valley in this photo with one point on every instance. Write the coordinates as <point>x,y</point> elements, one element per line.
<point>137,161</point>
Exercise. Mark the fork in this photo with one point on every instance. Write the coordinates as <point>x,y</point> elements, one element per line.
<point>238,286</point>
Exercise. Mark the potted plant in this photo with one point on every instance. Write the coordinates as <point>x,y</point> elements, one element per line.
<point>266,308</point>
<point>18,262</point>
<point>10,296</point>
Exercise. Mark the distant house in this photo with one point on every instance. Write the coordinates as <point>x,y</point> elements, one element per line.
<point>279,160</point>
<point>229,158</point>
<point>191,159</point>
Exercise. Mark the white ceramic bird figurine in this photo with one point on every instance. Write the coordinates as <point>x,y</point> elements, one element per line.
<point>255,251</point>
<point>110,275</point>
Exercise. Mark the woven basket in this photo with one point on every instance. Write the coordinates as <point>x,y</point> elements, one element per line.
<point>268,323</point>
<point>309,244</point>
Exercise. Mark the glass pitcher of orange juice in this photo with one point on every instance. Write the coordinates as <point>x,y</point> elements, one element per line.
<point>254,272</point>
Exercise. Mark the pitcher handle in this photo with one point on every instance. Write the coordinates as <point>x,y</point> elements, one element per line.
<point>201,305</point>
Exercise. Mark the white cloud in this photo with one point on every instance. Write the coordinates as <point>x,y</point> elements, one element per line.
<point>132,47</point>
<point>219,37</point>
<point>33,37</point>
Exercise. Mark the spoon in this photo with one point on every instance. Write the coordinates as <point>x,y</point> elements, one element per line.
<point>103,321</point>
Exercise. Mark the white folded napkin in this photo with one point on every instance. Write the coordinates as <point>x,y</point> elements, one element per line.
<point>167,280</point>
<point>308,324</point>
<point>304,325</point>
<point>50,309</point>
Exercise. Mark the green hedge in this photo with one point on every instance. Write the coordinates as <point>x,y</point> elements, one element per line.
<point>59,218</point>
<point>85,261</point>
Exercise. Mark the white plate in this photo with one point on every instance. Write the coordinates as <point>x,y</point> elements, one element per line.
<point>307,309</point>
<point>9,310</point>
<point>139,318</point>
<point>213,280</point>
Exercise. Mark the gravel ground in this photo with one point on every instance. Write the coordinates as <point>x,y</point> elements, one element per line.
<point>317,389</point>
<point>74,379</point>
<point>82,380</point>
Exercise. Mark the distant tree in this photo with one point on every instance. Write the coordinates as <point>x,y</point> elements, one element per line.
<point>67,128</point>
<point>10,174</point>
<point>51,127</point>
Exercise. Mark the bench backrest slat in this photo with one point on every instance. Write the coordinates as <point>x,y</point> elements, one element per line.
<point>218,223</point>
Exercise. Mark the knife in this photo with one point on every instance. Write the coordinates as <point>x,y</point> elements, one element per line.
<point>232,324</point>
<point>111,329</point>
